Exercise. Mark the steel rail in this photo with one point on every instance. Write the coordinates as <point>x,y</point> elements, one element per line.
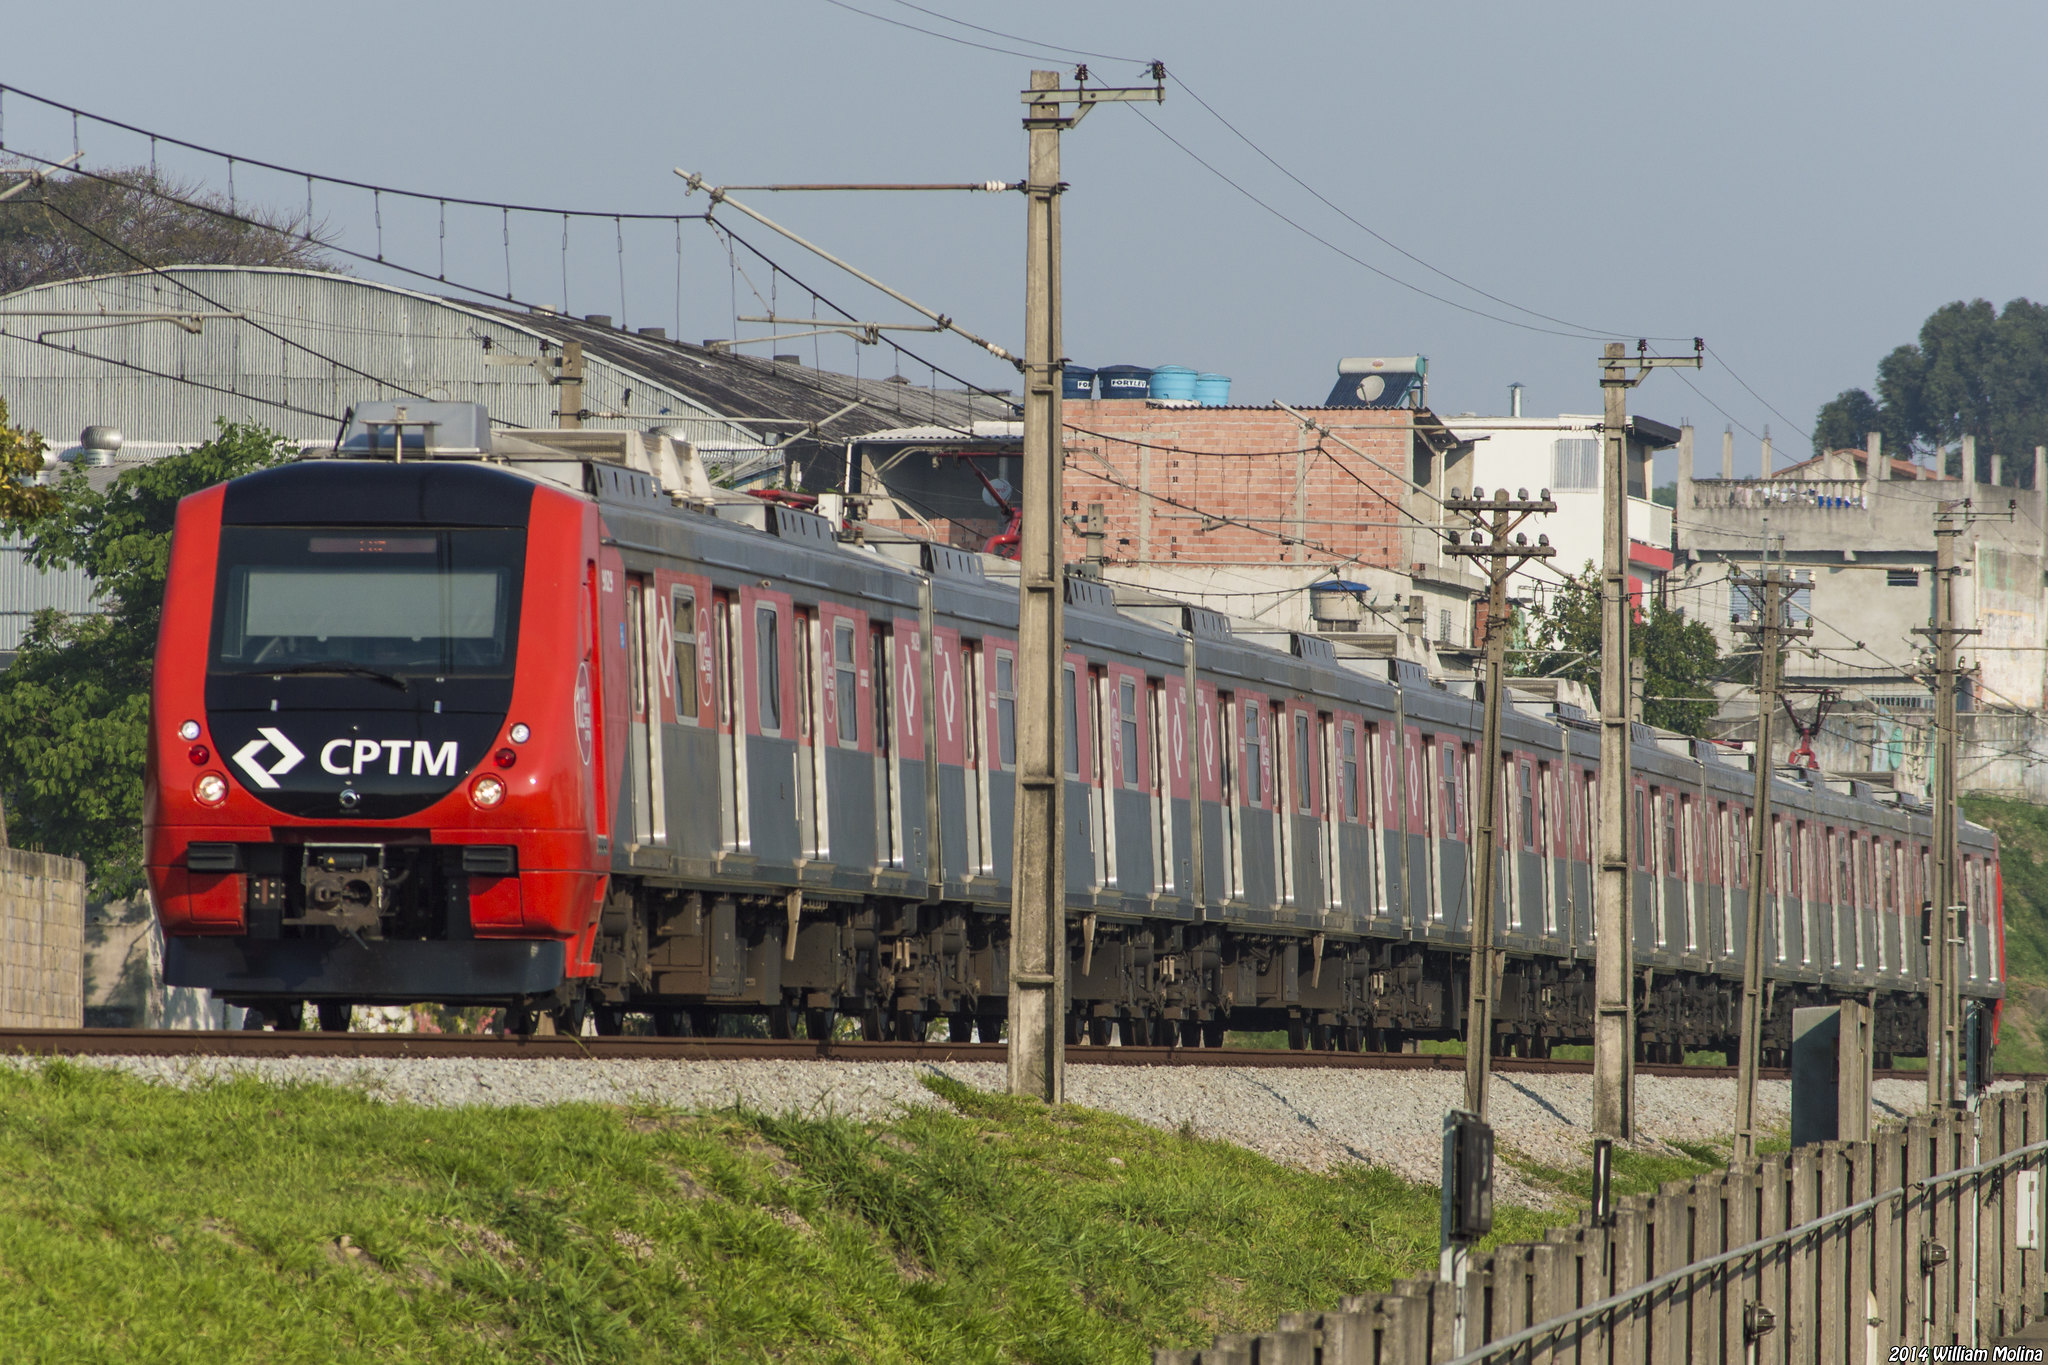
<point>311,1043</point>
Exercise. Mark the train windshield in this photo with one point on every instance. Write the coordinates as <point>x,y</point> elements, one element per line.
<point>375,600</point>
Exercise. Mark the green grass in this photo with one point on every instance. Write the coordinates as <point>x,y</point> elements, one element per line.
<point>243,1222</point>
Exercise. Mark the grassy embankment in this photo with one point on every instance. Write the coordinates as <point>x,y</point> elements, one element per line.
<point>2023,862</point>
<point>245,1221</point>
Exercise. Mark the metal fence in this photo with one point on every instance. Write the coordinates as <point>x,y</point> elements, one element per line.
<point>1837,1252</point>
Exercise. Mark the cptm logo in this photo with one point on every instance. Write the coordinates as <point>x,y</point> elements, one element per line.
<point>353,757</point>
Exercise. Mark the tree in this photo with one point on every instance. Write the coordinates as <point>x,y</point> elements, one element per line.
<point>1975,371</point>
<point>74,707</point>
<point>1680,657</point>
<point>21,459</point>
<point>158,218</point>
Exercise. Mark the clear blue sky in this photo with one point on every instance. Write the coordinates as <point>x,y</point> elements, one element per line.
<point>1800,184</point>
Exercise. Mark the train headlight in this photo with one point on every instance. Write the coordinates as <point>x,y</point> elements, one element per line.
<point>211,789</point>
<point>487,791</point>
<point>520,734</point>
<point>189,730</point>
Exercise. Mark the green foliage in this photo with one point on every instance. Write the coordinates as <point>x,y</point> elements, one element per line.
<point>1975,371</point>
<point>74,706</point>
<point>1680,657</point>
<point>136,214</point>
<point>249,1222</point>
<point>21,458</point>
<point>1665,495</point>
<point>2022,832</point>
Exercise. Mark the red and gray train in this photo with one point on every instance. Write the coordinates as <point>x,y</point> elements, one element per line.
<point>531,731</point>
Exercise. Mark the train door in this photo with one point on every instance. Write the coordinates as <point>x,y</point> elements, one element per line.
<point>1108,772</point>
<point>888,779</point>
<point>1333,812</point>
<point>1546,844</point>
<point>732,765</point>
<point>809,752</point>
<point>1428,794</point>
<point>974,760</point>
<point>1230,762</point>
<point>640,726</point>
<point>1157,789</point>
<point>1077,747</point>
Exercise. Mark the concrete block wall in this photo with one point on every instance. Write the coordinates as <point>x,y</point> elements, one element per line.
<point>42,940</point>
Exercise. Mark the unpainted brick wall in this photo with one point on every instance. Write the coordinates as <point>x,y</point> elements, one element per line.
<point>42,940</point>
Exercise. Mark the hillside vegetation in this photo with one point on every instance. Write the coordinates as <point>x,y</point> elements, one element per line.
<point>2022,831</point>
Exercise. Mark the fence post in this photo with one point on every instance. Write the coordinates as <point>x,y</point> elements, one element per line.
<point>1948,1317</point>
<point>1833,1287</point>
<point>1670,1238</point>
<point>1703,1292</point>
<point>1996,1220</point>
<point>1631,1267</point>
<point>1861,1303</point>
<point>1743,1280</point>
<point>1596,1282</point>
<point>1798,1324</point>
<point>1772,1178</point>
<point>1917,1231</point>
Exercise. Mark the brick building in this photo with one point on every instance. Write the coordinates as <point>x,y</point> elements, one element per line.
<point>1243,509</point>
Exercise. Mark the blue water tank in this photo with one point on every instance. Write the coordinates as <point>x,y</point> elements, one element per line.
<point>1077,381</point>
<point>1173,382</point>
<point>1125,381</point>
<point>1212,390</point>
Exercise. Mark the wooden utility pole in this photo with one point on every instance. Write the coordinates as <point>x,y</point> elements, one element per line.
<point>1768,589</point>
<point>1614,1002</point>
<point>1038,938</point>
<point>1494,522</point>
<point>1944,1001</point>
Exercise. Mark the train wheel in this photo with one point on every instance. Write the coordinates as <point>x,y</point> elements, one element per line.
<point>252,1020</point>
<point>569,1018</point>
<point>1074,1030</point>
<point>521,1020</point>
<point>780,1022</point>
<point>1212,1033</point>
<point>611,1020</point>
<point>1297,1035</point>
<point>1137,1031</point>
<point>672,1023</point>
<point>820,1024</point>
<point>1319,1036</point>
<point>910,1025</point>
<point>704,1021</point>
<point>1098,1031</point>
<point>959,1027</point>
<point>1190,1031</point>
<point>989,1027</point>
<point>335,1018</point>
<point>1352,1038</point>
<point>874,1025</point>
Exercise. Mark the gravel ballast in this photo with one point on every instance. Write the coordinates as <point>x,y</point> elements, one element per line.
<point>1301,1116</point>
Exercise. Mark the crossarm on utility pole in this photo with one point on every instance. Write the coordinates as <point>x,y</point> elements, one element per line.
<point>1499,518</point>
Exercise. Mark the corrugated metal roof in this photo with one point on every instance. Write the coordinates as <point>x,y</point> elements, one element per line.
<point>26,590</point>
<point>308,345</point>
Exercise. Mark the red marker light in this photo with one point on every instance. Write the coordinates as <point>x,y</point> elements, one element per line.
<point>504,758</point>
<point>199,753</point>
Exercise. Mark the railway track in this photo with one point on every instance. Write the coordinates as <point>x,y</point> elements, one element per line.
<point>464,1046</point>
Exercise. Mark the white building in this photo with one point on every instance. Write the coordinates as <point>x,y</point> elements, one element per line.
<point>1562,454</point>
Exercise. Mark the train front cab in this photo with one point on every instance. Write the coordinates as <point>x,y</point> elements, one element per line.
<point>376,748</point>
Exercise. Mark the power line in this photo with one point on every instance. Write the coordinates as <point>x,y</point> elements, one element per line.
<point>235,158</point>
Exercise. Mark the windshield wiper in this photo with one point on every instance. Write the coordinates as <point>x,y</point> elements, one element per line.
<point>352,670</point>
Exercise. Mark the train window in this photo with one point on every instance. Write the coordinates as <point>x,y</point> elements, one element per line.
<point>768,670</point>
<point>1672,866</point>
<point>1070,742</point>
<point>683,625</point>
<point>1127,728</point>
<point>845,693</point>
<point>1349,751</point>
<point>1447,771</point>
<point>1006,708</point>
<point>1526,781</point>
<point>1642,831</point>
<point>1798,859</point>
<point>1304,772</point>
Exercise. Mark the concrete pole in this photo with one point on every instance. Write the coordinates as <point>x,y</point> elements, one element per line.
<point>1484,962</point>
<point>1767,453</point>
<point>1942,1003</point>
<point>1728,453</point>
<point>1874,465</point>
<point>1684,498</point>
<point>1038,949</point>
<point>1614,1018</point>
<point>1750,1045</point>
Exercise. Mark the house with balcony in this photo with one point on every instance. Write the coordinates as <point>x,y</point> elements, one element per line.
<point>1855,529</point>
